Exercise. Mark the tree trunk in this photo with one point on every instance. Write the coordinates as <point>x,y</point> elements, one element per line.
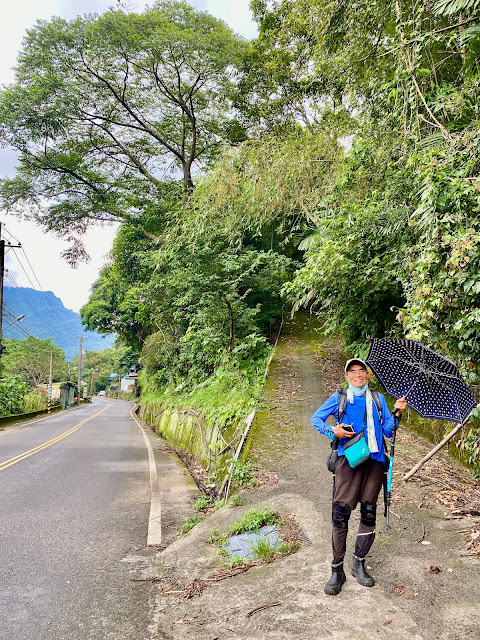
<point>187,180</point>
<point>231,342</point>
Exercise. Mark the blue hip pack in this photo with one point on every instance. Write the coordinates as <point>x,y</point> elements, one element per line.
<point>356,450</point>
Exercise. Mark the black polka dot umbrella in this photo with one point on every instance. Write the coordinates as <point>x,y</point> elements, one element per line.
<point>431,383</point>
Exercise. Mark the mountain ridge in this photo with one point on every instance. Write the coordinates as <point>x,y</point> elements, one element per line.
<point>47,317</point>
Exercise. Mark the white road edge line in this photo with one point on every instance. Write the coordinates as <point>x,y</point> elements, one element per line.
<point>154,536</point>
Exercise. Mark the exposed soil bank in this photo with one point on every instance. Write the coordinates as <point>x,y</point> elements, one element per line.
<point>427,580</point>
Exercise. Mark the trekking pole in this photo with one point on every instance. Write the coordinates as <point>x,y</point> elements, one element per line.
<point>396,420</point>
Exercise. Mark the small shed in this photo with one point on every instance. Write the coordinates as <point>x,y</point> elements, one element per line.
<point>67,394</point>
<point>128,382</point>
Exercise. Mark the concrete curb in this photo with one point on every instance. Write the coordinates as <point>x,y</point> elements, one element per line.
<point>154,536</point>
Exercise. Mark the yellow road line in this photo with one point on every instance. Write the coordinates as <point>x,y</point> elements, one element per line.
<point>49,443</point>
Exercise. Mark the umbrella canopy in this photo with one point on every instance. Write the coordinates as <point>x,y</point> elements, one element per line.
<point>431,383</point>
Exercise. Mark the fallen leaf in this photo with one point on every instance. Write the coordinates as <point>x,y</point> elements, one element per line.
<point>433,569</point>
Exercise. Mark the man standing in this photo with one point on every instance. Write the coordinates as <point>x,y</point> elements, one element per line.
<point>362,483</point>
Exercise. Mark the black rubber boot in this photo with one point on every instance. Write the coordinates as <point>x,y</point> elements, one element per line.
<point>334,585</point>
<point>360,573</point>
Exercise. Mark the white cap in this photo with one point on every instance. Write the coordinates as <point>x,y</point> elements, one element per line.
<point>353,361</point>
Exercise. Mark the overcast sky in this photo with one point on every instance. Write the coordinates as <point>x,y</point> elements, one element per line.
<point>43,252</point>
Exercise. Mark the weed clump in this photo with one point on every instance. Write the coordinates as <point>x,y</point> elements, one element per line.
<point>253,520</point>
<point>202,503</point>
<point>190,523</point>
<point>235,501</point>
<point>242,472</point>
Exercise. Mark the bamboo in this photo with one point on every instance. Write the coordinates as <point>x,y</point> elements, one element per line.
<point>429,455</point>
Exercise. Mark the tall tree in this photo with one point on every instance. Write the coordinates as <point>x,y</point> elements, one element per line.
<point>106,109</point>
<point>29,359</point>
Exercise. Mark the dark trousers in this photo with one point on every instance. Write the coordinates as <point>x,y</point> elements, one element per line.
<point>352,486</point>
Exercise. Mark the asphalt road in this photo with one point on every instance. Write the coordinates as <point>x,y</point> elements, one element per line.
<point>73,527</point>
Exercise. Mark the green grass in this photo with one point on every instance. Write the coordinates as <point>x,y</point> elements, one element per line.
<point>253,520</point>
<point>241,472</point>
<point>190,523</point>
<point>265,549</point>
<point>234,561</point>
<point>202,503</point>
<point>235,501</point>
<point>228,395</point>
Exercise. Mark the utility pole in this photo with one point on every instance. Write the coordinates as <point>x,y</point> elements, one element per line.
<point>3,244</point>
<point>50,382</point>
<point>79,384</point>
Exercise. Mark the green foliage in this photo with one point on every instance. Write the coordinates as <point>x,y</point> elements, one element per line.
<point>220,301</point>
<point>342,157</point>
<point>29,360</point>
<point>98,365</point>
<point>234,561</point>
<point>218,504</point>
<point>190,523</point>
<point>217,538</point>
<point>253,520</point>
<point>241,472</point>
<point>226,395</point>
<point>265,549</point>
<point>471,445</point>
<point>235,501</point>
<point>191,308</point>
<point>104,108</point>
<point>390,237</point>
<point>270,182</point>
<point>448,7</point>
<point>12,392</point>
<point>202,503</point>
<point>35,400</point>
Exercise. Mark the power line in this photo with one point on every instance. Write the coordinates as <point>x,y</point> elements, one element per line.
<point>5,230</point>
<point>21,326</point>
<point>42,320</point>
<point>43,300</point>
<point>41,289</point>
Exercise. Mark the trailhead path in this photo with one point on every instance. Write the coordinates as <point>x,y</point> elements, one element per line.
<point>428,583</point>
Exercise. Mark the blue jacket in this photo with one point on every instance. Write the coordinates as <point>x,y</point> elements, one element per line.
<point>355,415</point>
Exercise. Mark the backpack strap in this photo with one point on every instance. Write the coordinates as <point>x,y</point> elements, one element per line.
<point>342,404</point>
<point>376,400</point>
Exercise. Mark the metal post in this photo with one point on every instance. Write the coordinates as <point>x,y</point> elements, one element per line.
<point>2,275</point>
<point>79,383</point>
<point>50,381</point>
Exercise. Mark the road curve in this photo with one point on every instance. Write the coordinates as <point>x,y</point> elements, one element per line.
<point>74,507</point>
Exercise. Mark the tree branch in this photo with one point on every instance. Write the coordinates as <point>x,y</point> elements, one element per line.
<point>429,33</point>
<point>129,109</point>
<point>140,166</point>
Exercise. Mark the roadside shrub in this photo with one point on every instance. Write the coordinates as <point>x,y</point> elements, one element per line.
<point>202,503</point>
<point>36,400</point>
<point>472,447</point>
<point>241,472</point>
<point>12,392</point>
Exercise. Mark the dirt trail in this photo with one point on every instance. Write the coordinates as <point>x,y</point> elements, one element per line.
<point>410,600</point>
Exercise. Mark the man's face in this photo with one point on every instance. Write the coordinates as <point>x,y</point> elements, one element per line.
<point>356,375</point>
